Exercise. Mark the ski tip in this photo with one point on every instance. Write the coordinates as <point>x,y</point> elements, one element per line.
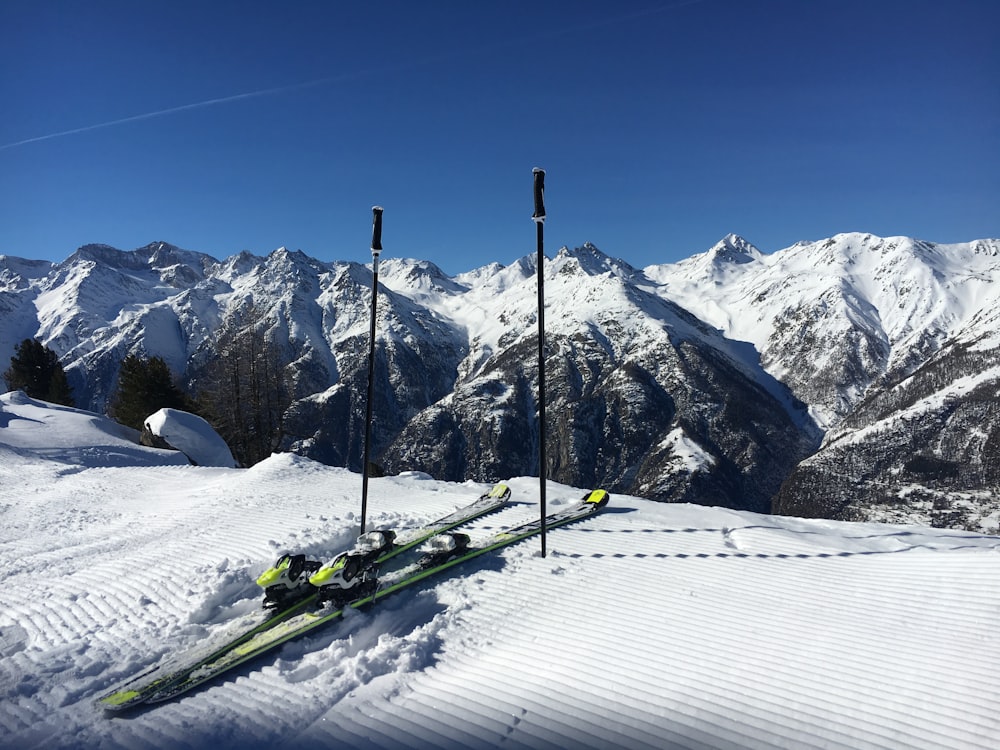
<point>500,491</point>
<point>599,498</point>
<point>118,700</point>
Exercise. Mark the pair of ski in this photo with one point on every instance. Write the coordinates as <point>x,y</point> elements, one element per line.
<point>254,634</point>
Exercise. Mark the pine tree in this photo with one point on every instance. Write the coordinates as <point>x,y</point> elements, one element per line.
<point>145,386</point>
<point>59,391</point>
<point>35,369</point>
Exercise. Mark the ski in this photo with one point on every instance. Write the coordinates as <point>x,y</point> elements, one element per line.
<point>176,667</point>
<point>441,554</point>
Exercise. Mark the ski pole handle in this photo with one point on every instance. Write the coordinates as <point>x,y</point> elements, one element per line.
<point>539,214</point>
<point>376,230</point>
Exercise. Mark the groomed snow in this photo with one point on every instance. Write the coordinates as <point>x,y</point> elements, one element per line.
<point>649,626</point>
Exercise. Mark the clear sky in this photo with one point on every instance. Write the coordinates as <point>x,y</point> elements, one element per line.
<point>225,126</point>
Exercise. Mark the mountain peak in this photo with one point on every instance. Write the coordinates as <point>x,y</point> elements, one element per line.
<point>592,261</point>
<point>420,277</point>
<point>733,249</point>
<point>96,252</point>
<point>159,246</point>
<point>716,264</point>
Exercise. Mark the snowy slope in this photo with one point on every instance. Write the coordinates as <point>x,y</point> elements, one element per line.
<point>650,625</point>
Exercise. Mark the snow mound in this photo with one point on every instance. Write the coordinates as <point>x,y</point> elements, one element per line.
<point>192,436</point>
<point>40,430</point>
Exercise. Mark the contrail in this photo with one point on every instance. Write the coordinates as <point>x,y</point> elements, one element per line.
<point>172,110</point>
<point>440,57</point>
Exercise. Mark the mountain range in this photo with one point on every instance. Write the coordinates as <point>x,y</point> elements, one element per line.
<point>854,377</point>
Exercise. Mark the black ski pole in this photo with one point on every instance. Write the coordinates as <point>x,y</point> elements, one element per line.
<point>376,249</point>
<point>539,218</point>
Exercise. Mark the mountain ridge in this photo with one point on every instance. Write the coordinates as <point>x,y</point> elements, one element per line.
<point>743,358</point>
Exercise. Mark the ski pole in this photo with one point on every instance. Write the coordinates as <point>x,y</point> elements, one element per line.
<point>376,249</point>
<point>539,218</point>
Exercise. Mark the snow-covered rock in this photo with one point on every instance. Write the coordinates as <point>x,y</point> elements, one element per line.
<point>192,436</point>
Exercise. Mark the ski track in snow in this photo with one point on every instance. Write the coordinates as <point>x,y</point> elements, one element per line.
<point>648,626</point>
<point>786,646</point>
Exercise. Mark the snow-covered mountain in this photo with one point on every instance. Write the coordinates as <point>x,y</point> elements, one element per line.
<point>893,343</point>
<point>831,318</point>
<point>707,380</point>
<point>650,625</point>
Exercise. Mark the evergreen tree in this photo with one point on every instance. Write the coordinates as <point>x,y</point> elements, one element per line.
<point>35,369</point>
<point>60,391</point>
<point>145,386</point>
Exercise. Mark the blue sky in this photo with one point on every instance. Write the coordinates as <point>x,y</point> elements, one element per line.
<point>663,126</point>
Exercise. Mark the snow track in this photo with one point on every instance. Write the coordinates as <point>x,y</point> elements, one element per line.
<point>648,626</point>
<point>785,645</point>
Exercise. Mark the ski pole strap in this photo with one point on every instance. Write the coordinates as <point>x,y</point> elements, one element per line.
<point>539,215</point>
<point>376,230</point>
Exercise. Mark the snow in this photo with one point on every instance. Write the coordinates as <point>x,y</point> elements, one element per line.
<point>648,626</point>
<point>929,284</point>
<point>690,456</point>
<point>46,431</point>
<point>192,436</point>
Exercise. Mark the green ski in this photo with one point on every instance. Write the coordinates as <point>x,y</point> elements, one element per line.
<point>444,552</point>
<point>177,667</point>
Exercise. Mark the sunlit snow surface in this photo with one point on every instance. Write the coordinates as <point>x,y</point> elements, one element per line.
<point>649,626</point>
